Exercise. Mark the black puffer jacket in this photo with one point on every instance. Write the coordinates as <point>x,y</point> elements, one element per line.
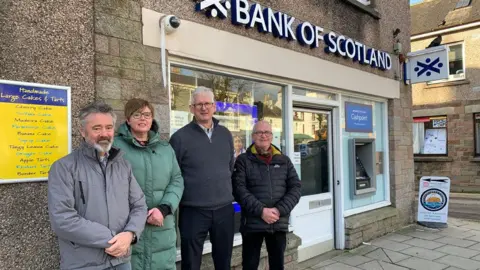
<point>257,185</point>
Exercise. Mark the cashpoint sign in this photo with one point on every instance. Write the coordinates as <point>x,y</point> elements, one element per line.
<point>358,117</point>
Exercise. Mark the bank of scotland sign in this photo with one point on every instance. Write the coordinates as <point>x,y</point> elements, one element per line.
<point>427,65</point>
<point>284,26</point>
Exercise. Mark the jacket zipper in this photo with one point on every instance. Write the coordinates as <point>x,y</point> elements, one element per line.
<point>104,171</point>
<point>271,189</point>
<point>81,192</point>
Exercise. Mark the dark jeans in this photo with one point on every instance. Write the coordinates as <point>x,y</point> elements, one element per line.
<point>195,224</point>
<point>252,244</point>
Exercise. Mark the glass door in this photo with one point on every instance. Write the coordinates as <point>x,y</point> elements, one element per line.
<point>314,216</point>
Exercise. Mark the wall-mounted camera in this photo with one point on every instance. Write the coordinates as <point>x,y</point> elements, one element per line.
<point>170,23</point>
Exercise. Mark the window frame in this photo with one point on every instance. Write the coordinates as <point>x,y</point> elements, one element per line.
<point>446,137</point>
<point>476,152</point>
<point>451,78</point>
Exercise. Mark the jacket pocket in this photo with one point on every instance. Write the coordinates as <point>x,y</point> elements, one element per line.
<point>75,246</point>
<point>82,194</point>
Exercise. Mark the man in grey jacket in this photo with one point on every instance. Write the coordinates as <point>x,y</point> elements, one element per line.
<point>96,206</point>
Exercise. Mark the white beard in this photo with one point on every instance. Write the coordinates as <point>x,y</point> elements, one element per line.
<point>101,148</point>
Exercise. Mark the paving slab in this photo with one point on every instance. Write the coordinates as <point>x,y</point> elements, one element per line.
<point>397,237</point>
<point>378,254</point>
<point>472,225</point>
<point>453,268</point>
<point>379,265</point>
<point>423,243</point>
<point>352,260</point>
<point>421,264</point>
<point>395,256</point>
<point>475,247</point>
<point>459,262</point>
<point>324,263</point>
<point>423,253</point>
<point>391,245</point>
<point>425,235</point>
<point>456,242</point>
<point>338,266</point>
<point>476,258</point>
<point>458,251</point>
<point>364,249</point>
<point>475,238</point>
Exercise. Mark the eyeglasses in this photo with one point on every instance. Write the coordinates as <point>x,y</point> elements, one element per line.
<point>199,106</point>
<point>260,133</point>
<point>138,115</point>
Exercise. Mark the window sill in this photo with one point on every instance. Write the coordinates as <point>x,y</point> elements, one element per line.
<point>433,159</point>
<point>447,83</point>
<point>367,9</point>
<point>475,159</point>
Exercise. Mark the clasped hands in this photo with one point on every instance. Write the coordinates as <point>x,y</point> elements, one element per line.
<point>121,242</point>
<point>270,215</point>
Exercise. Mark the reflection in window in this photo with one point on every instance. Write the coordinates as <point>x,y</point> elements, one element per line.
<point>240,103</point>
<point>313,148</point>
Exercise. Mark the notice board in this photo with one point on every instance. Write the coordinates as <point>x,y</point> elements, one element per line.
<point>35,129</point>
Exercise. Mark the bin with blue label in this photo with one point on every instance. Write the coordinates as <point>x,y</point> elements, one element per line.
<point>433,199</point>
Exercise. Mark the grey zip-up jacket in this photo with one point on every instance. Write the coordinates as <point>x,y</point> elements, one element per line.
<point>88,205</point>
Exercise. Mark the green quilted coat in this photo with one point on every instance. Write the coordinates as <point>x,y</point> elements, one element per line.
<point>156,169</point>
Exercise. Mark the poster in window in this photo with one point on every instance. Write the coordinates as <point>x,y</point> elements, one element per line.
<point>439,123</point>
<point>435,141</point>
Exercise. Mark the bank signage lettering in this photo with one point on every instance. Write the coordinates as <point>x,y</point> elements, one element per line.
<point>281,25</point>
<point>358,117</point>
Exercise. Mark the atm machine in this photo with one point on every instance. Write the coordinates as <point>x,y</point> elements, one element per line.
<point>362,165</point>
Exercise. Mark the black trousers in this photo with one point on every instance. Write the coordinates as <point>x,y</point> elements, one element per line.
<point>252,244</point>
<point>195,224</point>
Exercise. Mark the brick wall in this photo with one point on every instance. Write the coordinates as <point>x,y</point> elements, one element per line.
<point>460,165</point>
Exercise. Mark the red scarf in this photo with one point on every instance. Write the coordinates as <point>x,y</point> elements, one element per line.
<point>266,157</point>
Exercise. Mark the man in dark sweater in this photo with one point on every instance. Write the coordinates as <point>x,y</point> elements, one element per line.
<point>204,151</point>
<point>267,187</point>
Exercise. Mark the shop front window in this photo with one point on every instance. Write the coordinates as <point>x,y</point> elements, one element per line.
<point>430,135</point>
<point>240,104</point>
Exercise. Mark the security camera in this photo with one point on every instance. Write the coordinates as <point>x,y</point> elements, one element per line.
<point>170,22</point>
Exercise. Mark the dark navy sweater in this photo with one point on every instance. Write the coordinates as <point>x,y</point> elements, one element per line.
<point>206,165</point>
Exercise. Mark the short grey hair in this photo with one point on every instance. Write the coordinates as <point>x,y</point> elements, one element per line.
<point>201,90</point>
<point>261,121</point>
<point>96,107</point>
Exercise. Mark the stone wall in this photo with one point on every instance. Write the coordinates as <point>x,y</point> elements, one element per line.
<point>367,226</point>
<point>400,137</point>
<point>460,165</point>
<point>46,42</point>
<point>458,100</point>
<point>124,68</point>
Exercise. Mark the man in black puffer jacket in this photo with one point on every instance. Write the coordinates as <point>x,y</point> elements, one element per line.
<point>267,187</point>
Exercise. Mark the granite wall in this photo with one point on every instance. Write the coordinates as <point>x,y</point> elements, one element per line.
<point>48,42</point>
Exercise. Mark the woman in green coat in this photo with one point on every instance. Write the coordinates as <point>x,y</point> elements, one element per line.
<point>156,169</point>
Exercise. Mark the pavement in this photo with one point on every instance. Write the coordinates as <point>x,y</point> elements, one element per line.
<point>414,247</point>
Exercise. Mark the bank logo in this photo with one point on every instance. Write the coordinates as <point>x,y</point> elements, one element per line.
<point>433,200</point>
<point>428,67</point>
<point>214,8</point>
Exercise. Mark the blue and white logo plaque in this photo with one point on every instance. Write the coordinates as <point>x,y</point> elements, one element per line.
<point>433,199</point>
<point>427,65</point>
